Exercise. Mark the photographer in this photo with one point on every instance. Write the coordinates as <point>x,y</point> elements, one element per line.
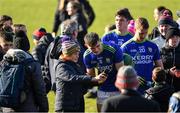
<point>171,57</point>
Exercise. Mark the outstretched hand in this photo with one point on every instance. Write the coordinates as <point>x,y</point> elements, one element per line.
<point>101,77</point>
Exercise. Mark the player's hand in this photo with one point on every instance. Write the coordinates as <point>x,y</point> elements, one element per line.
<point>101,77</point>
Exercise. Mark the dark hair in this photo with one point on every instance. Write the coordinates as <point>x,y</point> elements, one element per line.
<point>172,32</point>
<point>76,5</point>
<point>158,75</point>
<point>4,18</point>
<point>160,8</point>
<point>17,27</point>
<point>110,27</point>
<point>42,29</point>
<point>91,39</point>
<point>21,41</point>
<point>168,11</point>
<point>125,13</point>
<point>6,36</point>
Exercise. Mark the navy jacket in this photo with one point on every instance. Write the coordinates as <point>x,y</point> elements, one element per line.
<point>36,98</point>
<point>71,85</point>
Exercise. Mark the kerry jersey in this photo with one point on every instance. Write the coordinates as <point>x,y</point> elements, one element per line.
<point>116,38</point>
<point>105,62</point>
<point>144,54</point>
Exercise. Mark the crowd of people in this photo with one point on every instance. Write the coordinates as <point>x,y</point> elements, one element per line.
<point>132,70</point>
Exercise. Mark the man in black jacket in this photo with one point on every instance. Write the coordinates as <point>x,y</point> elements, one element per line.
<point>70,29</point>
<point>129,100</point>
<point>171,57</point>
<point>40,49</point>
<point>36,98</point>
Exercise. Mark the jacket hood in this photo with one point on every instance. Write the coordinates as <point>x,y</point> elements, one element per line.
<point>16,55</point>
<point>46,39</point>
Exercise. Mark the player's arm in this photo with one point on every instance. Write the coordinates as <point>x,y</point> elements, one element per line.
<point>158,63</point>
<point>119,62</point>
<point>91,72</point>
<point>88,63</point>
<point>157,58</point>
<point>118,65</point>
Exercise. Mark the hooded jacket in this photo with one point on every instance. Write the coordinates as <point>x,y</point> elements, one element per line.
<point>40,50</point>
<point>36,99</point>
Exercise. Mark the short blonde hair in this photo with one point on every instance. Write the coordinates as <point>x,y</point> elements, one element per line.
<point>141,23</point>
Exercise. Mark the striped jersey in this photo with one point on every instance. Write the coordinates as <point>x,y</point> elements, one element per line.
<point>105,62</point>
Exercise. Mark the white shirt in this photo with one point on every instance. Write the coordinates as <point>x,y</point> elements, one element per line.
<point>160,42</point>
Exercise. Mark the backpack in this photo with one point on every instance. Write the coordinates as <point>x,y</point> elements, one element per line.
<point>12,80</point>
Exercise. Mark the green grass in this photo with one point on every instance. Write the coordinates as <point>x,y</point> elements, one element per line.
<point>37,13</point>
<point>90,104</point>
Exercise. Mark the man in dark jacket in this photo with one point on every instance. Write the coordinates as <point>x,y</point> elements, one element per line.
<point>70,29</point>
<point>39,53</point>
<point>61,13</point>
<point>5,20</point>
<point>129,100</point>
<point>40,50</point>
<point>171,57</point>
<point>36,98</point>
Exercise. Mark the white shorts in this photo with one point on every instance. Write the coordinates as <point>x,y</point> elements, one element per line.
<point>101,95</point>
